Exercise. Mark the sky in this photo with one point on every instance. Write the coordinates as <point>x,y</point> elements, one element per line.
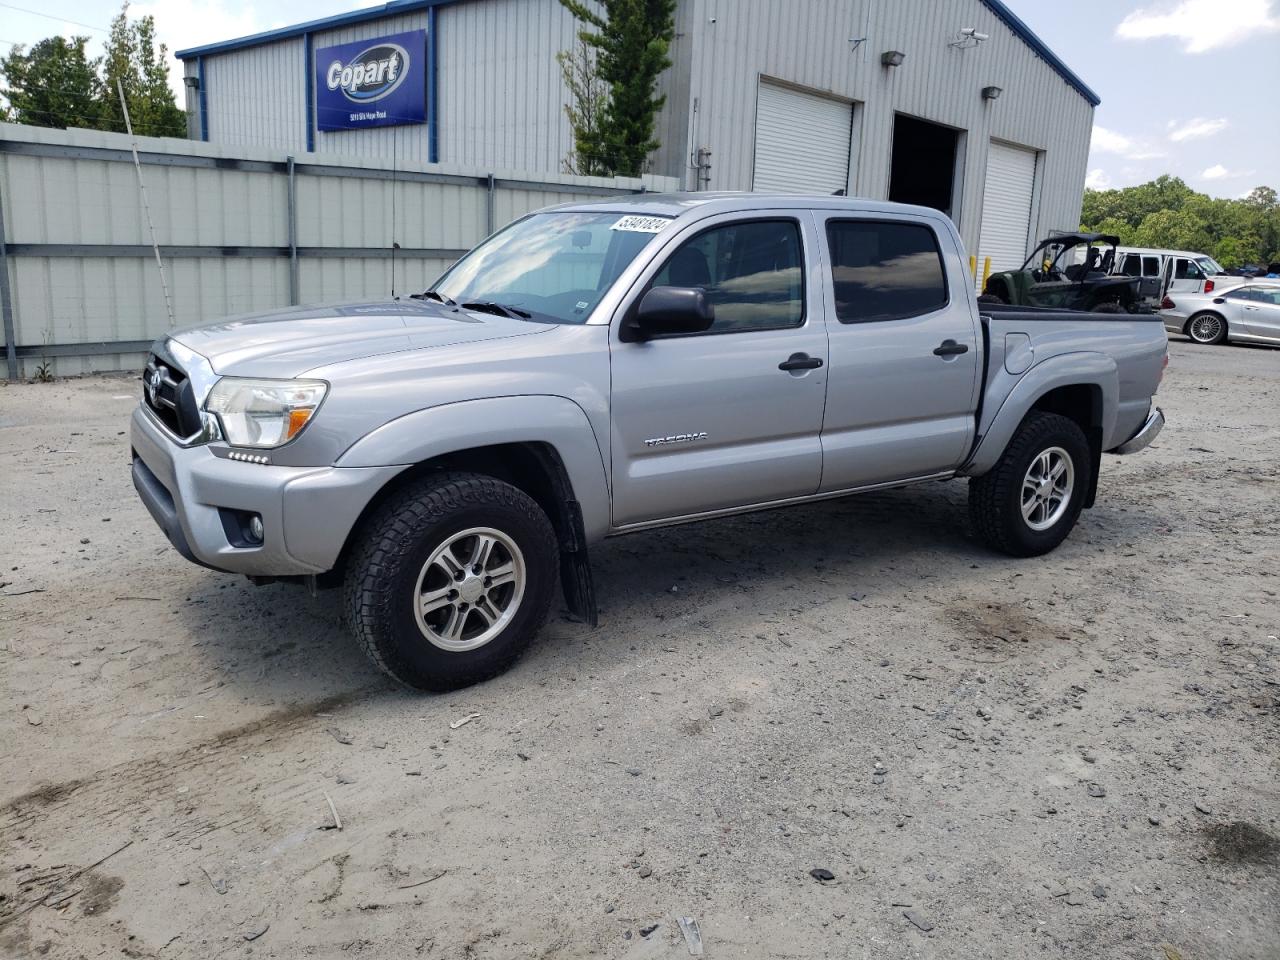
<point>1188,87</point>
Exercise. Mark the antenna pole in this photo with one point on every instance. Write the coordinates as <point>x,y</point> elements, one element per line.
<point>395,139</point>
<point>142,190</point>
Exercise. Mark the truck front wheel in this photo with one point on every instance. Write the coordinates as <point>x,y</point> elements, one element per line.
<point>450,580</point>
<point>1029,501</point>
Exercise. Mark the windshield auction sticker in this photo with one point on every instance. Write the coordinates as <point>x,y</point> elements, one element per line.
<point>637,224</point>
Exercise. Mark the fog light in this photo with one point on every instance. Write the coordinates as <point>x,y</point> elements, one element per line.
<point>255,528</point>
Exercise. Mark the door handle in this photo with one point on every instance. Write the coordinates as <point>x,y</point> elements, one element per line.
<point>949,348</point>
<point>800,361</point>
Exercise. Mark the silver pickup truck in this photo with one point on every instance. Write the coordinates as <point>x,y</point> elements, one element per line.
<point>607,367</point>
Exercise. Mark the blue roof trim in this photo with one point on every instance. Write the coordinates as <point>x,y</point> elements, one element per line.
<point>390,9</point>
<point>1035,43</point>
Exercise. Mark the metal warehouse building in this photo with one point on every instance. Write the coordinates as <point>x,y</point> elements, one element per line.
<point>955,104</point>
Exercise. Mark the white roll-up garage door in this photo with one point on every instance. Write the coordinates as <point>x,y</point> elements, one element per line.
<point>802,141</point>
<point>1006,206</point>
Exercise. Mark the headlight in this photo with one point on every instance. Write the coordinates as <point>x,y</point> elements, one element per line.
<point>264,413</point>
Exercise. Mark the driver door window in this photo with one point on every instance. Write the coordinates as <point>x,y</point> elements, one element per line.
<point>752,272</point>
<point>1187,270</point>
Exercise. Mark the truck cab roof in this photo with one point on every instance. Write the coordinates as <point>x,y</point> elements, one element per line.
<point>711,203</point>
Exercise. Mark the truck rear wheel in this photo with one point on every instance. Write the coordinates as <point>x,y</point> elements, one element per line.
<point>1029,501</point>
<point>450,580</point>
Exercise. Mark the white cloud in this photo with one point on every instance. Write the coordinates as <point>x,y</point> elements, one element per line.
<point>1196,129</point>
<point>1097,180</point>
<point>1219,172</point>
<point>1108,141</point>
<point>1200,25</point>
<point>193,23</point>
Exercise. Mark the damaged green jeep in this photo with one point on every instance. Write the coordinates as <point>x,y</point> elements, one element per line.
<point>1060,276</point>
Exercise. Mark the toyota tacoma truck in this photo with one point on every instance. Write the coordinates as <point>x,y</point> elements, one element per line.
<point>597,369</point>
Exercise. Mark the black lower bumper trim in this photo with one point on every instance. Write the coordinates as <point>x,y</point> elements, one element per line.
<point>159,503</point>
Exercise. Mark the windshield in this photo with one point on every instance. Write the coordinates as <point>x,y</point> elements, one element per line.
<point>1210,266</point>
<point>552,267</point>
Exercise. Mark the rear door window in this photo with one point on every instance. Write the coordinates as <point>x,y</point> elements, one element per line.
<point>1132,265</point>
<point>885,270</point>
<point>1151,266</point>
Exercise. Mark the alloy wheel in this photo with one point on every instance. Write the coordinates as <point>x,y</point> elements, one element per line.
<point>469,589</point>
<point>1206,328</point>
<point>1047,487</point>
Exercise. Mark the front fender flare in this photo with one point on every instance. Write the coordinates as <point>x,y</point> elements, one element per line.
<point>1065,370</point>
<point>453,427</point>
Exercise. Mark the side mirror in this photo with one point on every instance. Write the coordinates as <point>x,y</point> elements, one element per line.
<point>666,311</point>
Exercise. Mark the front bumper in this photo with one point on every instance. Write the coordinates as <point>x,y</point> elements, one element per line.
<point>307,512</point>
<point>1146,433</point>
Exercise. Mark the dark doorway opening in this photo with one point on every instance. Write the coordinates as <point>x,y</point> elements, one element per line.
<point>923,168</point>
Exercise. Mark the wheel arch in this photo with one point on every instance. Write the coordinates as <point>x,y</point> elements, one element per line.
<point>534,467</point>
<point>1083,387</point>
<point>542,445</point>
<point>1082,403</point>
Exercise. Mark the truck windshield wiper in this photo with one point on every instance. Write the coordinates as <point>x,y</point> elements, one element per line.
<point>502,310</point>
<point>433,295</point>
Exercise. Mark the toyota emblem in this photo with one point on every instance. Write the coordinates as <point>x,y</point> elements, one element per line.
<point>154,379</point>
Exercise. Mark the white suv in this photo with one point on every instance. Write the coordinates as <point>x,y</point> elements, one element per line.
<point>1191,272</point>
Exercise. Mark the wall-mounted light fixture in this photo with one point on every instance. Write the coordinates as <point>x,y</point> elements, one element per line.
<point>991,93</point>
<point>192,83</point>
<point>892,58</point>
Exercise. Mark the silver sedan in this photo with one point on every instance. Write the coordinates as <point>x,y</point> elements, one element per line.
<point>1249,313</point>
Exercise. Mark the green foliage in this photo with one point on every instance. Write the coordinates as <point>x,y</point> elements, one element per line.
<point>53,85</point>
<point>588,96</point>
<point>1167,213</point>
<point>629,41</point>
<point>133,60</point>
<point>56,84</point>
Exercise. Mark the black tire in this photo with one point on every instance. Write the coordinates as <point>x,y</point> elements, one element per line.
<point>995,499</point>
<point>1206,315</point>
<point>1109,307</point>
<point>380,589</point>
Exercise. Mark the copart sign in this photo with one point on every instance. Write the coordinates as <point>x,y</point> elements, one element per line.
<point>379,82</point>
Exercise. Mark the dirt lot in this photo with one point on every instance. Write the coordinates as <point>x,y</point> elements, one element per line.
<point>1072,756</point>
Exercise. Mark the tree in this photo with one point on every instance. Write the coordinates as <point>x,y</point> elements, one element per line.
<point>588,96</point>
<point>1166,213</point>
<point>55,85</point>
<point>630,41</point>
<point>133,60</point>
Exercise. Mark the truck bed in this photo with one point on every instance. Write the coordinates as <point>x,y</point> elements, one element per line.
<point>1032,349</point>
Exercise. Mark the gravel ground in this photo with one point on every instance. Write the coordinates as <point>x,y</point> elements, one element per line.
<point>1073,756</point>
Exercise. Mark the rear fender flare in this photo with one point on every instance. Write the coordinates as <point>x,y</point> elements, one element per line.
<point>1064,370</point>
<point>450,428</point>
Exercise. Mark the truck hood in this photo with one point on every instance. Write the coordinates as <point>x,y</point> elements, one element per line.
<point>289,342</point>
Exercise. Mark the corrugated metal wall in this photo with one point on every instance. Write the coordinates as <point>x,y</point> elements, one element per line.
<point>501,94</point>
<point>735,42</point>
<point>500,102</point>
<point>256,97</point>
<point>79,253</point>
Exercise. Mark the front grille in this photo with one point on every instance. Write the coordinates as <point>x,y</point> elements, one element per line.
<point>167,392</point>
